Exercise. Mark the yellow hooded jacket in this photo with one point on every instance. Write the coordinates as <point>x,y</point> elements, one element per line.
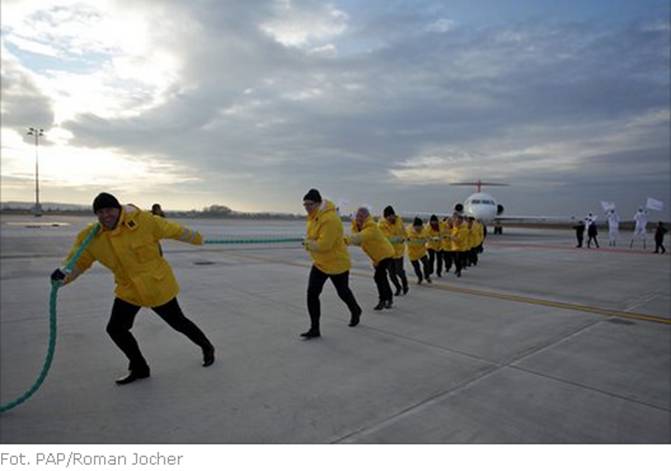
<point>396,230</point>
<point>473,236</point>
<point>327,248</point>
<point>434,236</point>
<point>131,251</point>
<point>372,241</point>
<point>460,238</point>
<point>446,231</point>
<point>416,242</point>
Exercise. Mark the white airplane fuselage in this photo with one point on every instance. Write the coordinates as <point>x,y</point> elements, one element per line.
<point>481,206</point>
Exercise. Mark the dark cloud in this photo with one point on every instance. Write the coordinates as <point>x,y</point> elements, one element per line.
<point>23,104</point>
<point>277,116</point>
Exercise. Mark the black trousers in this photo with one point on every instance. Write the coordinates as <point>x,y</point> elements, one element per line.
<point>396,272</point>
<point>592,238</point>
<point>579,239</point>
<point>425,265</point>
<point>473,256</point>
<point>459,259</point>
<point>316,284</point>
<point>448,257</point>
<point>438,256</point>
<point>381,282</point>
<point>659,244</point>
<point>122,318</point>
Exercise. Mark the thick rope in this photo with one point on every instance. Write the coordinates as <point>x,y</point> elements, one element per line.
<point>55,286</point>
<point>254,241</point>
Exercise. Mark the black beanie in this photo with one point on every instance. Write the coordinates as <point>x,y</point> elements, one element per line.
<point>105,200</point>
<point>417,222</point>
<point>433,218</point>
<point>388,211</point>
<point>313,195</point>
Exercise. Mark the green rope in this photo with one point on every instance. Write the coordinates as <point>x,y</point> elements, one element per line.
<point>254,241</point>
<point>55,286</point>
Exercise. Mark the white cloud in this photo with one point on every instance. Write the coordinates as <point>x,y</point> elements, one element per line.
<point>298,27</point>
<point>441,25</point>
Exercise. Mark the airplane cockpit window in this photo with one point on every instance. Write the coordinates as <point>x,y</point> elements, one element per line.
<point>475,201</point>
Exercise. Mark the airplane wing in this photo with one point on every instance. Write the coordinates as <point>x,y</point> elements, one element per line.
<point>536,219</point>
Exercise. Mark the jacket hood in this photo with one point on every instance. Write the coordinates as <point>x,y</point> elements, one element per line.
<point>326,207</point>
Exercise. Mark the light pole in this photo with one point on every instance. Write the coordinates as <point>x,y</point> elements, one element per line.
<point>37,133</point>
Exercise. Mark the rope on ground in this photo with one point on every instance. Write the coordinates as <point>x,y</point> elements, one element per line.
<point>55,286</point>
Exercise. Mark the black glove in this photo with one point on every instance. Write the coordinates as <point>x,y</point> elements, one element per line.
<point>57,275</point>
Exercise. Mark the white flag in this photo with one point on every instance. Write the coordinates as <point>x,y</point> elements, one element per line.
<point>654,204</point>
<point>607,205</point>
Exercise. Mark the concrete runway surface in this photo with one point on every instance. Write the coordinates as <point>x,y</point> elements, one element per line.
<point>540,343</point>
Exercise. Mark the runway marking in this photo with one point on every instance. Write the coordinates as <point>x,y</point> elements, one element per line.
<point>497,295</point>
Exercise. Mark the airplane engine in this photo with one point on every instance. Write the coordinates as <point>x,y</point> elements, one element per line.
<point>499,209</point>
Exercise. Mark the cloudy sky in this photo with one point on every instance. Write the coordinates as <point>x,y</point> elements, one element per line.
<point>251,103</point>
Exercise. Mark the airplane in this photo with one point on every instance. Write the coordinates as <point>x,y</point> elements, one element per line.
<point>484,207</point>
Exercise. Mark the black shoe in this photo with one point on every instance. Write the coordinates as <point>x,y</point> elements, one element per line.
<point>354,320</point>
<point>132,376</point>
<point>208,355</point>
<point>405,290</point>
<point>379,306</point>
<point>439,275</point>
<point>398,291</point>
<point>428,280</point>
<point>388,303</point>
<point>419,282</point>
<point>458,274</point>
<point>310,334</point>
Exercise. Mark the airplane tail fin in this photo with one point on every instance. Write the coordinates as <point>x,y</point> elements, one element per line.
<point>479,184</point>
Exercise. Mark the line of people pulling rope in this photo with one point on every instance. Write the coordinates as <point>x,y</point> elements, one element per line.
<point>450,242</point>
<point>128,245</point>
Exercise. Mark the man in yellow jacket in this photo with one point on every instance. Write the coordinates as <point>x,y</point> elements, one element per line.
<point>367,234</point>
<point>435,233</point>
<point>326,245</point>
<point>416,238</point>
<point>393,229</point>
<point>127,244</point>
<point>459,239</point>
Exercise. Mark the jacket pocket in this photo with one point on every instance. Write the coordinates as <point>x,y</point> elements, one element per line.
<point>145,251</point>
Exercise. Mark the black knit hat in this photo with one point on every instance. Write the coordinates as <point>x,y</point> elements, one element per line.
<point>313,195</point>
<point>417,222</point>
<point>433,218</point>
<point>388,211</point>
<point>105,200</point>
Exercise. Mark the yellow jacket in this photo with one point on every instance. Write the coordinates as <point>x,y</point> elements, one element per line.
<point>325,241</point>
<point>446,231</point>
<point>460,238</point>
<point>416,242</point>
<point>372,241</point>
<point>434,236</point>
<point>396,230</point>
<point>473,236</point>
<point>480,232</point>
<point>131,251</point>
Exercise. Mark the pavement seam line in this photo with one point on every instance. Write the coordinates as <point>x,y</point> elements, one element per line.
<point>591,388</point>
<point>466,383</point>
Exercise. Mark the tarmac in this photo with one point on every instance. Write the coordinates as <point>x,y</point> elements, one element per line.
<point>541,342</point>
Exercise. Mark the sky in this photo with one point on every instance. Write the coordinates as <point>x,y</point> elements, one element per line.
<point>249,104</point>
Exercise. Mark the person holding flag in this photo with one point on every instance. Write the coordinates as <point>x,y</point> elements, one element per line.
<point>613,226</point>
<point>641,220</point>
